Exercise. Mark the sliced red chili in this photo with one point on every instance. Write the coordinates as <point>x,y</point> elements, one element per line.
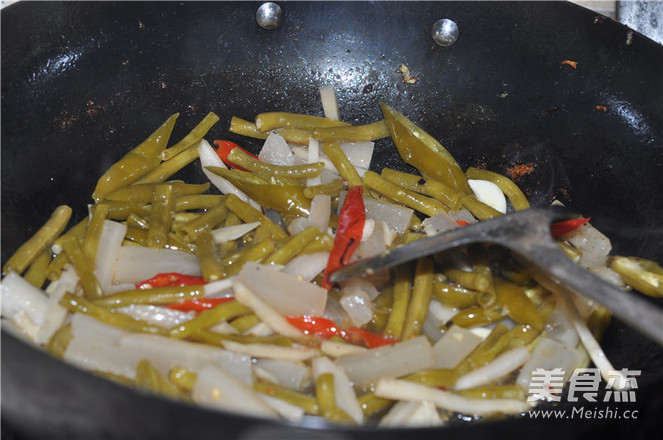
<point>462,223</point>
<point>170,279</point>
<point>315,325</point>
<point>198,304</point>
<point>560,228</point>
<point>350,228</point>
<point>223,150</point>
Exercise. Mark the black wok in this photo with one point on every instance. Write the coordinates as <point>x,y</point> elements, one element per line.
<point>84,82</point>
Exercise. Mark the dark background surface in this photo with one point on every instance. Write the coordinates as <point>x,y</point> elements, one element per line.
<point>82,83</point>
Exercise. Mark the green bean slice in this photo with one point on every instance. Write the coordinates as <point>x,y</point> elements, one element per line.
<point>422,293</point>
<point>343,165</point>
<point>39,242</point>
<point>272,120</point>
<point>83,268</point>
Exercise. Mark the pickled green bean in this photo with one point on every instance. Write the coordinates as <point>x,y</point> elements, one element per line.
<point>245,128</point>
<point>372,405</point>
<point>343,165</point>
<point>208,318</point>
<point>402,289</point>
<point>332,188</point>
<point>142,192</point>
<point>151,379</point>
<point>205,223</point>
<point>324,392</point>
<point>422,293</point>
<point>438,377</point>
<point>452,295</point>
<point>83,268</point>
<point>304,171</point>
<point>39,242</point>
<point>256,252</point>
<point>418,202</point>
<point>194,137</point>
<point>450,197</point>
<point>470,280</point>
<point>162,172</point>
<point>136,163</point>
<point>210,265</point>
<point>485,352</point>
<point>155,296</point>
<point>477,315</point>
<point>58,343</point>
<point>245,323</point>
<point>199,201</point>
<point>38,270</point>
<point>93,233</point>
<point>356,133</point>
<point>644,275</point>
<point>272,120</point>
<point>288,251</point>
<point>249,214</point>
<point>183,378</point>
<point>161,216</point>
<point>308,403</point>
<point>79,305</point>
<point>518,306</point>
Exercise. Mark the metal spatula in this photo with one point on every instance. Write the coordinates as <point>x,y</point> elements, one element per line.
<point>527,233</point>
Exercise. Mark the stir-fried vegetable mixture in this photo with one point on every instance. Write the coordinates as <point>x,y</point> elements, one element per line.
<point>218,292</point>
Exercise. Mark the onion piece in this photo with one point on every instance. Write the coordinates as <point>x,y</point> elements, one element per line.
<point>268,351</point>
<point>276,151</point>
<point>408,414</point>
<point>219,289</point>
<point>264,311</point>
<point>357,304</point>
<point>396,217</point>
<point>293,375</point>
<point>286,410</point>
<point>108,252</point>
<point>208,157</point>
<point>343,391</point>
<point>56,314</point>
<point>320,212</point>
<point>548,355</point>
<point>359,154</point>
<point>285,293</point>
<point>19,295</point>
<point>388,361</point>
<point>313,155</point>
<point>593,244</point>
<point>454,346</point>
<point>439,223</point>
<point>502,365</point>
<point>307,267</point>
<point>329,103</point>
<point>397,389</point>
<point>217,388</point>
<point>230,233</point>
<point>137,263</point>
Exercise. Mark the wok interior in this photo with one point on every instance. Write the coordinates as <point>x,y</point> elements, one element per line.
<point>95,79</point>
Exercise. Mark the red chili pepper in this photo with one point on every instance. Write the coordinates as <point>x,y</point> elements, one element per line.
<point>316,325</point>
<point>360,336</point>
<point>223,150</point>
<point>326,328</point>
<point>170,279</point>
<point>198,304</point>
<point>348,234</point>
<point>462,223</point>
<point>561,228</point>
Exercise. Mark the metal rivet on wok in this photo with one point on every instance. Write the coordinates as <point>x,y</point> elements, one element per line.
<point>445,32</point>
<point>269,15</point>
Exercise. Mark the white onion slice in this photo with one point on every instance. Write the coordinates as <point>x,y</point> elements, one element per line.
<point>502,365</point>
<point>217,388</point>
<point>407,414</point>
<point>108,251</point>
<point>388,361</point>
<point>287,294</point>
<point>313,155</point>
<point>359,153</point>
<point>346,398</point>
<point>208,157</point>
<point>405,390</point>
<point>329,103</point>
<point>18,295</point>
<point>289,374</point>
<point>306,267</point>
<point>264,311</point>
<point>230,233</point>
<point>268,351</point>
<point>320,212</point>
<point>137,263</point>
<point>454,346</point>
<point>276,151</point>
<point>286,410</point>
